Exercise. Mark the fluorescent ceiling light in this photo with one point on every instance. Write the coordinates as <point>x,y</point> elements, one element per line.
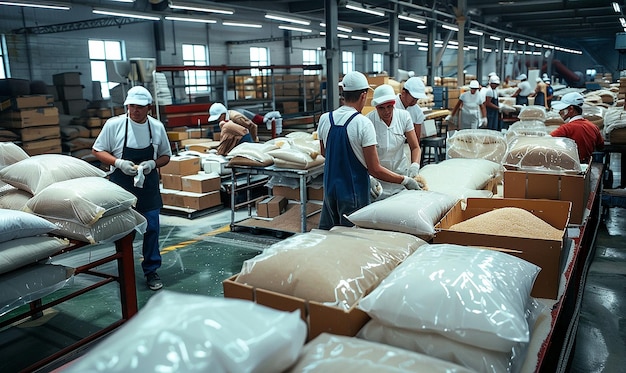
<point>452,47</point>
<point>509,40</point>
<point>406,42</point>
<point>125,14</point>
<point>380,40</point>
<point>453,42</point>
<point>412,39</point>
<point>339,28</point>
<point>200,8</point>
<point>291,28</point>
<point>471,47</point>
<point>343,36</point>
<point>521,42</point>
<point>531,43</point>
<point>422,26</point>
<point>475,32</point>
<point>124,1</point>
<point>494,37</point>
<point>287,19</point>
<point>450,27</point>
<point>411,19</point>
<point>616,8</point>
<point>423,49</point>
<point>366,10</point>
<point>237,24</point>
<point>359,37</point>
<point>41,4</point>
<point>379,33</point>
<point>422,44</point>
<point>622,21</point>
<point>190,19</point>
<point>488,50</point>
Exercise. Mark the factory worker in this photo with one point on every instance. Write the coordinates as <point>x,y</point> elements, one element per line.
<point>523,90</point>
<point>348,142</point>
<point>549,91</point>
<point>540,93</point>
<point>492,105</point>
<point>394,128</point>
<point>586,134</point>
<point>235,127</point>
<point>131,144</point>
<point>413,90</point>
<point>473,113</point>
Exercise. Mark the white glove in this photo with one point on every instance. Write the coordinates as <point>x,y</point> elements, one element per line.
<point>410,183</point>
<point>148,166</point>
<point>414,169</point>
<point>375,188</point>
<point>483,122</point>
<point>127,167</point>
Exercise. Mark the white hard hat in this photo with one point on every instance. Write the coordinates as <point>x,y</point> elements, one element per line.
<point>383,93</point>
<point>522,77</point>
<point>138,95</point>
<point>568,99</point>
<point>354,81</point>
<point>416,87</point>
<point>494,79</point>
<point>216,110</point>
<point>474,84</point>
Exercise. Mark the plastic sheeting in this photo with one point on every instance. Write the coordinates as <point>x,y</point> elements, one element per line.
<point>193,333</point>
<point>544,154</point>
<point>107,229</point>
<point>477,144</point>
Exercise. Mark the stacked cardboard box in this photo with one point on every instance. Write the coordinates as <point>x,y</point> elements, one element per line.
<point>70,92</point>
<point>184,187</point>
<point>35,121</point>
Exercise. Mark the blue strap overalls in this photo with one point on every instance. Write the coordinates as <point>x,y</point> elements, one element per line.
<point>149,200</point>
<point>493,115</point>
<point>346,181</point>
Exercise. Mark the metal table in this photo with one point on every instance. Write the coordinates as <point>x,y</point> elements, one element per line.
<point>248,171</point>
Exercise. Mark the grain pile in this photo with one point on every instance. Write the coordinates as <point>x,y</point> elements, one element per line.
<point>509,221</point>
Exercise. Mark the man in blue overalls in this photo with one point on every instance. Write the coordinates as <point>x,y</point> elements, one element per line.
<point>133,143</point>
<point>492,105</point>
<point>348,142</point>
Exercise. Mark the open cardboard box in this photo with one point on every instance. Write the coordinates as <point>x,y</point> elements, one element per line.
<point>561,187</point>
<point>545,253</point>
<point>320,318</point>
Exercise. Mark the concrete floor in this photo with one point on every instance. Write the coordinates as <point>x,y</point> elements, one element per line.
<point>199,254</point>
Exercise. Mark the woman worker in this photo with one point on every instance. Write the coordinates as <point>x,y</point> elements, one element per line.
<point>472,106</point>
<point>394,127</point>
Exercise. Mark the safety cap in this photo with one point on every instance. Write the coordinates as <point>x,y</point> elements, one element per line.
<point>354,81</point>
<point>383,93</point>
<point>416,87</point>
<point>521,77</point>
<point>538,80</point>
<point>216,110</point>
<point>494,79</point>
<point>474,84</point>
<point>568,99</point>
<point>546,80</point>
<point>138,95</point>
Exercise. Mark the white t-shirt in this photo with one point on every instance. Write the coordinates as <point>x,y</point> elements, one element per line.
<point>111,138</point>
<point>391,139</point>
<point>361,131</point>
<point>525,88</point>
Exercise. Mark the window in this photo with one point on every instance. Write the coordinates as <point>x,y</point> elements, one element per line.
<point>101,51</point>
<point>196,55</point>
<point>347,62</point>
<point>377,62</point>
<point>259,57</point>
<point>310,57</point>
<point>4,59</point>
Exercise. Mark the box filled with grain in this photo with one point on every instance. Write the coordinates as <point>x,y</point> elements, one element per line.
<point>534,230</point>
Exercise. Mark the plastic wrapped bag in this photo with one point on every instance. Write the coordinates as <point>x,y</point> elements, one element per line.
<point>545,154</point>
<point>532,112</point>
<point>477,144</point>
<point>208,334</point>
<point>10,153</point>
<point>109,228</point>
<point>526,128</point>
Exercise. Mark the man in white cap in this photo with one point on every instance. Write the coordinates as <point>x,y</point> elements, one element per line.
<point>471,105</point>
<point>523,90</point>
<point>394,128</point>
<point>134,143</point>
<point>235,127</point>
<point>586,134</point>
<point>348,142</point>
<point>492,105</point>
<point>549,91</point>
<point>413,90</point>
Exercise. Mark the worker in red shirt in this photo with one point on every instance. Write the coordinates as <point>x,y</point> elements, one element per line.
<point>586,134</point>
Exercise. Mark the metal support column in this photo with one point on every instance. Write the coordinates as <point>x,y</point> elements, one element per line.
<point>332,54</point>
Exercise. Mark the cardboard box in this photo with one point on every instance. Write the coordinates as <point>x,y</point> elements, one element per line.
<point>316,194</point>
<point>319,317</point>
<point>30,117</point>
<point>94,132</point>
<point>27,102</point>
<point>532,185</point>
<point>201,183</point>
<point>173,182</point>
<point>69,78</point>
<point>172,198</point>
<point>93,122</point>
<point>271,207</point>
<point>201,201</point>
<point>177,135</point>
<point>287,192</point>
<point>182,165</point>
<point>70,92</point>
<point>545,253</point>
<point>40,133</point>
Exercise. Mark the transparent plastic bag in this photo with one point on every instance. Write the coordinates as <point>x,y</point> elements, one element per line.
<point>544,154</point>
<point>477,144</point>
